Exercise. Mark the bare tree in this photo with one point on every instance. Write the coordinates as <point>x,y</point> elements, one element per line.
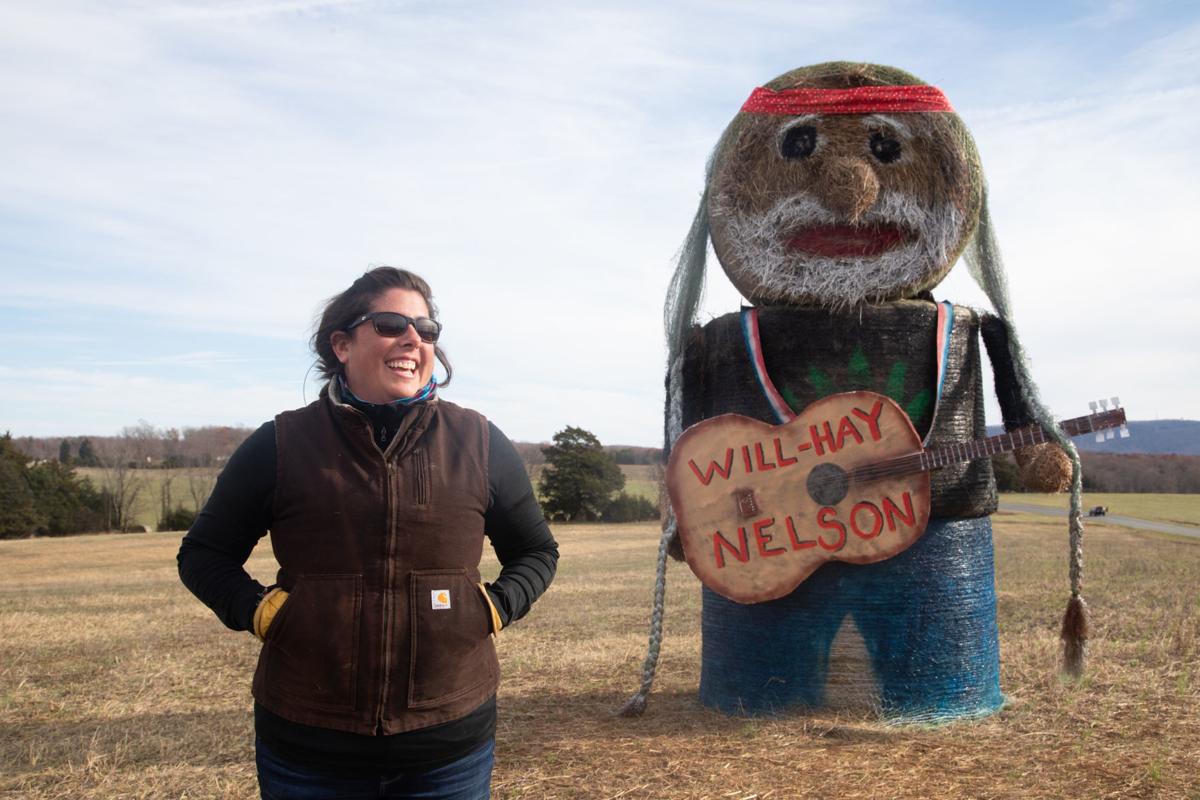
<point>125,484</point>
<point>200,483</point>
<point>142,443</point>
<point>166,503</point>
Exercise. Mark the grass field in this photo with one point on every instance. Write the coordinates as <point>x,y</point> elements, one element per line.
<point>1180,508</point>
<point>116,683</point>
<point>643,480</point>
<point>147,508</point>
<point>640,479</point>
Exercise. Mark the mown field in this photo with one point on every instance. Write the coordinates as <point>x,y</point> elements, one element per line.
<point>1179,508</point>
<point>116,683</point>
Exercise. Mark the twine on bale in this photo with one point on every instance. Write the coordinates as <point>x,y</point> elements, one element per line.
<point>987,268</point>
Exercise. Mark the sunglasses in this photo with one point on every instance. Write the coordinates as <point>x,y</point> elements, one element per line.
<point>391,325</point>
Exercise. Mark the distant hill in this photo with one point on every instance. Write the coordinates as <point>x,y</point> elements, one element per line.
<point>1160,436</point>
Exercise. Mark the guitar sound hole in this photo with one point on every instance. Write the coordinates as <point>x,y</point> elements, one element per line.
<point>827,484</point>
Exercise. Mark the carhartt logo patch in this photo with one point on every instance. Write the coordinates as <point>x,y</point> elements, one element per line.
<point>440,598</point>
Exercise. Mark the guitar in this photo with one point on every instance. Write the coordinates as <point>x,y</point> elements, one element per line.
<point>759,507</point>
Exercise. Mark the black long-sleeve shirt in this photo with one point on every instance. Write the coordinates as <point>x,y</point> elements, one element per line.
<point>238,514</point>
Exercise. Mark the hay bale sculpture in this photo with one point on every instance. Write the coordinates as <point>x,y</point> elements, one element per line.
<point>836,199</point>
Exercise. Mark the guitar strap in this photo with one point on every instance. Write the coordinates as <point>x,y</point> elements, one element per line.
<point>784,412</point>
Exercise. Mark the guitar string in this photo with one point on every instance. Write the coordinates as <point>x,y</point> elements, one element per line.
<point>927,460</point>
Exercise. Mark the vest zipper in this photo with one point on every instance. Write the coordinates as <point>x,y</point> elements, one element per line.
<point>388,603</point>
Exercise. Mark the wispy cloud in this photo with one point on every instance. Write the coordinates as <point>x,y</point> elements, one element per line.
<point>199,359</point>
<point>255,11</point>
<point>189,174</point>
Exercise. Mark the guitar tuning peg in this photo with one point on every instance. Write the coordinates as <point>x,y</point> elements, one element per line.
<point>1092,406</point>
<point>1116,401</point>
<point>1109,434</point>
<point>1124,431</point>
<point>1104,404</point>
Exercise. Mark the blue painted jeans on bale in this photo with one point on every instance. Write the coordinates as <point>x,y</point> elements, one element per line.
<point>927,618</point>
<point>469,778</point>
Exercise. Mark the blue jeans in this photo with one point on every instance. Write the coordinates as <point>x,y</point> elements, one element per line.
<point>469,778</point>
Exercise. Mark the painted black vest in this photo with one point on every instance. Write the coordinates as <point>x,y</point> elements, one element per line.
<point>385,629</point>
<point>888,348</point>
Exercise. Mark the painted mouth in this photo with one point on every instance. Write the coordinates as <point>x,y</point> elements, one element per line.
<point>834,241</point>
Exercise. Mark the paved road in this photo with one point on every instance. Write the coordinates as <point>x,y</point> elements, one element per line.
<point>1110,519</point>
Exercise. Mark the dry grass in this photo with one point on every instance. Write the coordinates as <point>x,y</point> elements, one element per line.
<point>115,683</point>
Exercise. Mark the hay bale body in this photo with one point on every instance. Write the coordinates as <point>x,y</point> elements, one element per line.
<point>835,200</point>
<point>913,636</point>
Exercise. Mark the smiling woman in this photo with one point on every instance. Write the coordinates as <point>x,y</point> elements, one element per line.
<point>399,305</point>
<point>378,673</point>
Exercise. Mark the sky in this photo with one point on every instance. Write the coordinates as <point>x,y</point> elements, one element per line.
<point>183,184</point>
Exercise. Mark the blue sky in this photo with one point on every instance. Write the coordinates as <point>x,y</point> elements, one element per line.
<point>184,183</point>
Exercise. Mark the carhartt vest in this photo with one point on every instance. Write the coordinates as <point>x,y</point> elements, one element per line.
<point>888,348</point>
<point>385,629</point>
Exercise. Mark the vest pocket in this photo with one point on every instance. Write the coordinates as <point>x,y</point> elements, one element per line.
<point>450,644</point>
<point>421,477</point>
<point>311,649</point>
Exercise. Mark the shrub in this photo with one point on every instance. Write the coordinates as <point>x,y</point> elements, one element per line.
<point>66,503</point>
<point>177,519</point>
<point>629,508</point>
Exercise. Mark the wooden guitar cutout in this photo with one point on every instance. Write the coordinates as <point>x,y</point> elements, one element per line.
<point>759,507</point>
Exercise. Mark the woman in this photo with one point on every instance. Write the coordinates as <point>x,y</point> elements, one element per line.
<point>377,676</point>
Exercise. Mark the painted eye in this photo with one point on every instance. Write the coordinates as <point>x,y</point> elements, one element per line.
<point>799,142</point>
<point>885,148</point>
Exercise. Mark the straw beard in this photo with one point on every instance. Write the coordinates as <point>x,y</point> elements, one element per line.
<point>759,244</point>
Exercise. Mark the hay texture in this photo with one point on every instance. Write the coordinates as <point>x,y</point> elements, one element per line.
<point>837,219</point>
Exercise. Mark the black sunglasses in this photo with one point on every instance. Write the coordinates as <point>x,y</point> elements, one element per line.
<point>391,325</point>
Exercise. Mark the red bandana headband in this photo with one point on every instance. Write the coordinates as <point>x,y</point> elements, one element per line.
<point>860,100</point>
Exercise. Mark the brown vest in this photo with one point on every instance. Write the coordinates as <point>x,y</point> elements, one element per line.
<point>384,629</point>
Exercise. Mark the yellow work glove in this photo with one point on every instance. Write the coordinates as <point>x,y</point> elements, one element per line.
<point>496,623</point>
<point>268,607</point>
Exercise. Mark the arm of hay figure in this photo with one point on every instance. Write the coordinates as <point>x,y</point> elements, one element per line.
<point>1043,467</point>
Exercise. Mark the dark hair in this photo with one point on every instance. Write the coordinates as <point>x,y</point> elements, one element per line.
<point>344,308</point>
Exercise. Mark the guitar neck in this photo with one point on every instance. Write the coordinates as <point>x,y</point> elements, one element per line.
<point>967,451</point>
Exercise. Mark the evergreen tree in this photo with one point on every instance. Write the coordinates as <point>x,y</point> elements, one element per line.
<point>18,511</point>
<point>65,503</point>
<point>579,477</point>
<point>64,452</point>
<point>87,454</point>
<point>46,498</point>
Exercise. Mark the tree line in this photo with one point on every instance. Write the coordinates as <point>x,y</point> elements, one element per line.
<point>143,445</point>
<point>1118,473</point>
<point>579,479</point>
<point>47,496</point>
